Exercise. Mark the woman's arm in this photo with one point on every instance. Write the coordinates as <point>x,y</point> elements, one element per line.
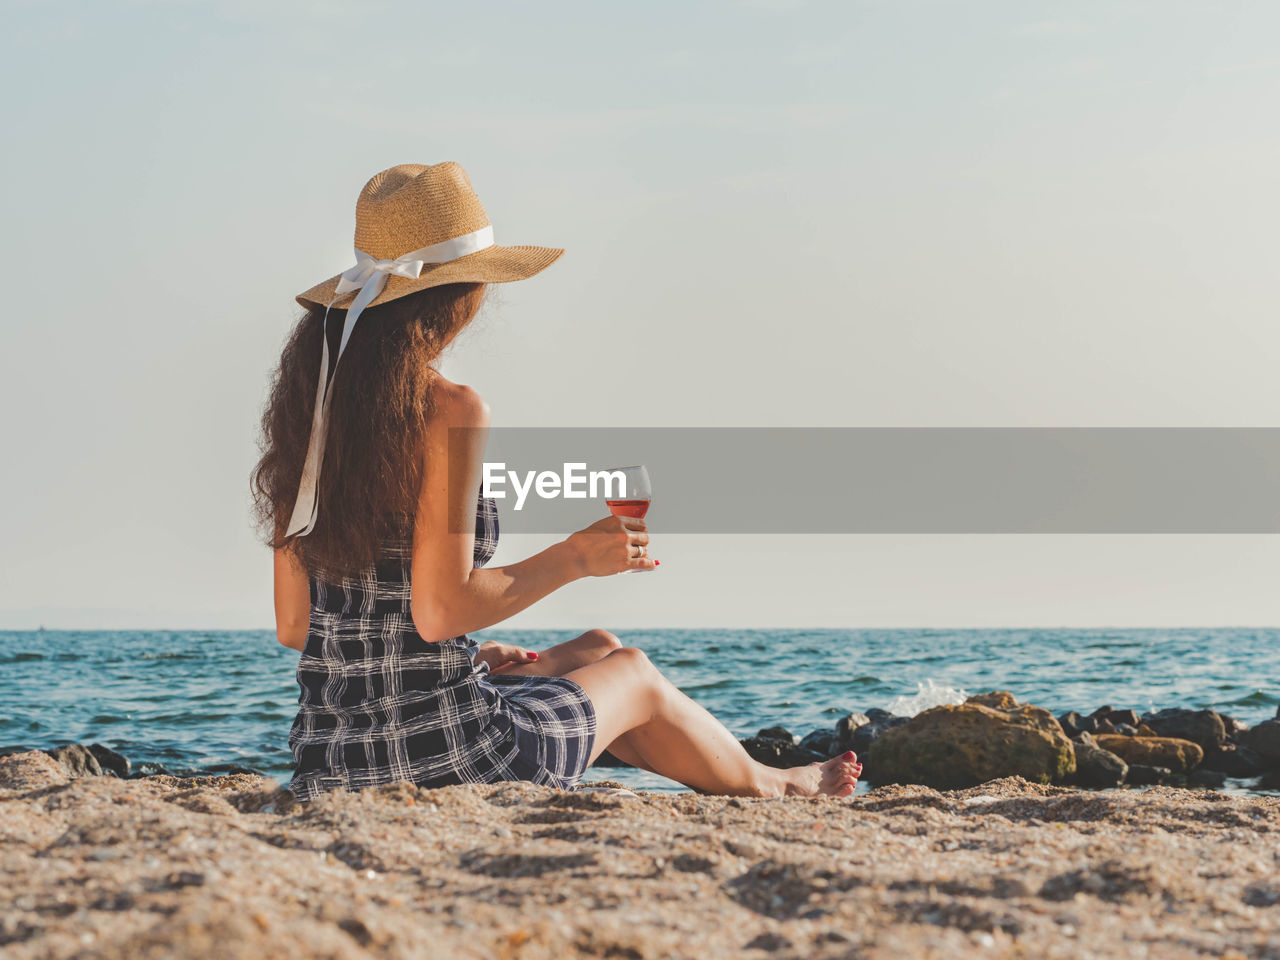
<point>293,600</point>
<point>449,596</point>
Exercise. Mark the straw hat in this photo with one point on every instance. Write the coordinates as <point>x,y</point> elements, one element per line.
<point>410,207</point>
<point>416,227</point>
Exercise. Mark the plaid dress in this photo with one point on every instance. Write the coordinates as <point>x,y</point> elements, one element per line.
<point>378,704</point>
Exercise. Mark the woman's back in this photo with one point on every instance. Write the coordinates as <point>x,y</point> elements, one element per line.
<point>377,703</point>
<point>384,589</point>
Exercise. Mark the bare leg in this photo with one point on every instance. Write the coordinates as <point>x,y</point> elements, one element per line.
<point>681,740</point>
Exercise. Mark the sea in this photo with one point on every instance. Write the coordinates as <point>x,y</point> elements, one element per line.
<point>208,701</point>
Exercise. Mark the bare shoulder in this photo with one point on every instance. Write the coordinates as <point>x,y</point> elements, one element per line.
<point>457,404</point>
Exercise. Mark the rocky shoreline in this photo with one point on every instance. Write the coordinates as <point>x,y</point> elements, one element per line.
<point>992,735</point>
<point>233,867</point>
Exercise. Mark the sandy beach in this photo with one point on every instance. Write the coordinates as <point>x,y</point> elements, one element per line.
<point>230,867</point>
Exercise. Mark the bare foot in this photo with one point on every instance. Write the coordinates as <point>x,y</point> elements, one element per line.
<point>837,777</point>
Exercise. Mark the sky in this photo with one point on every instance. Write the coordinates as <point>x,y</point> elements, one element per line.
<point>776,213</point>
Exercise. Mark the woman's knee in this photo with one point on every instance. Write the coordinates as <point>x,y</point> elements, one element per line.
<point>625,688</point>
<point>636,662</point>
<point>601,640</point>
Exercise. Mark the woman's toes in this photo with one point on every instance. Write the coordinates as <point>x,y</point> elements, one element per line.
<point>839,775</point>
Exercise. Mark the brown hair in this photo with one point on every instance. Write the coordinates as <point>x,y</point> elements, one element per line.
<point>372,467</point>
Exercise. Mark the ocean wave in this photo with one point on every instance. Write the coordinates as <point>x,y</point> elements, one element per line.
<point>1259,698</point>
<point>928,694</point>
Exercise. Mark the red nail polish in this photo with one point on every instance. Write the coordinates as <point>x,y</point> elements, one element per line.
<point>657,563</point>
<point>848,755</point>
<point>533,655</point>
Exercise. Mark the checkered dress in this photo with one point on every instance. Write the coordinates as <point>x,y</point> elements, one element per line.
<point>379,704</point>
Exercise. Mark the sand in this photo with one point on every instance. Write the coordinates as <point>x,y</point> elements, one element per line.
<point>228,867</point>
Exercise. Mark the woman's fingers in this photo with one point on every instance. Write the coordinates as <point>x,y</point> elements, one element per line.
<point>508,655</point>
<point>625,547</point>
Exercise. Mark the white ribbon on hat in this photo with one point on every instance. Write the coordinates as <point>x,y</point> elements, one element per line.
<point>368,276</point>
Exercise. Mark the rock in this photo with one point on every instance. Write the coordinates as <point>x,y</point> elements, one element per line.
<point>1235,761</point>
<point>110,761</point>
<point>985,738</point>
<point>852,721</point>
<point>779,753</point>
<point>1212,779</point>
<point>1203,727</point>
<point>1180,755</point>
<point>1117,717</point>
<point>820,741</point>
<point>846,727</point>
<point>1144,775</point>
<point>996,700</point>
<point>1125,729</point>
<point>778,733</point>
<point>77,760</point>
<point>876,715</point>
<point>1098,768</point>
<point>865,737</point>
<point>1104,726</point>
<point>1145,731</point>
<point>1264,740</point>
<point>1101,712</point>
<point>1233,727</point>
<point>1072,723</point>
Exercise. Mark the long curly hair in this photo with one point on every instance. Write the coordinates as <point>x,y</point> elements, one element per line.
<point>381,404</point>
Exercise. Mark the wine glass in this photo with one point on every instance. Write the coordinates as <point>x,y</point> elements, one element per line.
<point>633,499</point>
<point>635,494</point>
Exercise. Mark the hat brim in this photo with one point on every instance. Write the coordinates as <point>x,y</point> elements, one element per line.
<point>491,265</point>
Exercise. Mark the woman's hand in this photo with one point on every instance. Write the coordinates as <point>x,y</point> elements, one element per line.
<point>611,546</point>
<point>501,655</point>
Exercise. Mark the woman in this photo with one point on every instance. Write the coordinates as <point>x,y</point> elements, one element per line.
<point>381,589</point>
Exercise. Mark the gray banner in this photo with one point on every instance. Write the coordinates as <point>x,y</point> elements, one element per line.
<point>902,480</point>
